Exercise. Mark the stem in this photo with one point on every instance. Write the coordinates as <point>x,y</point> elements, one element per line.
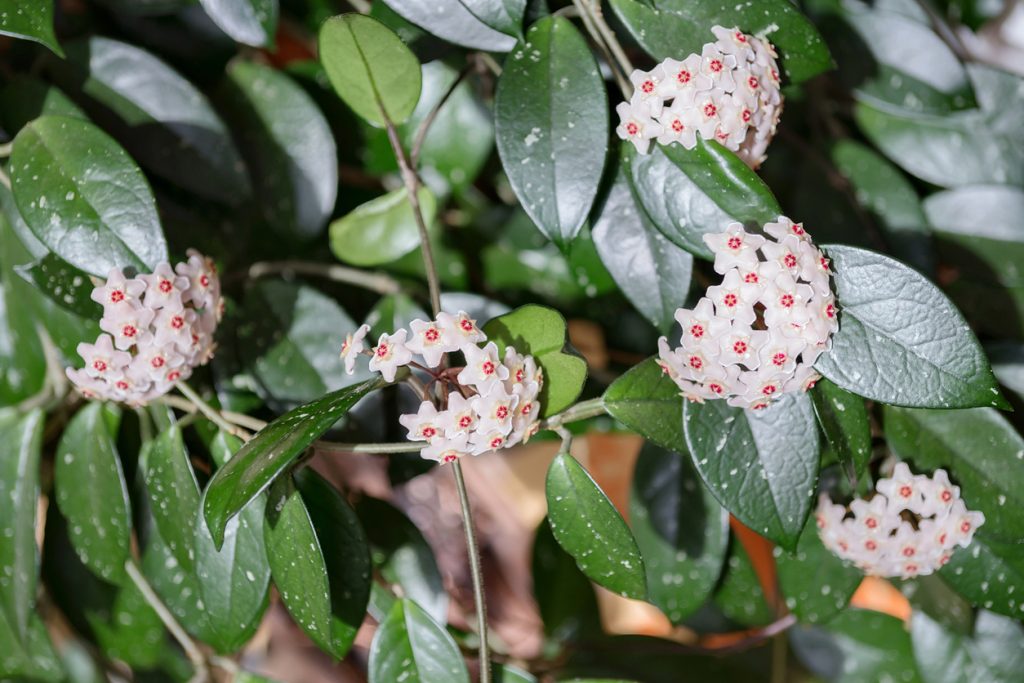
<point>239,419</point>
<point>5,179</point>
<point>212,413</point>
<point>779,651</point>
<point>421,132</point>
<point>581,411</point>
<point>192,651</point>
<point>375,282</point>
<point>379,448</point>
<point>475,573</point>
<point>617,70</point>
<point>594,6</point>
<point>5,149</point>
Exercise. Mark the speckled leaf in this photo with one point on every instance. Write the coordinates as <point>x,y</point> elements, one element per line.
<point>588,527</point>
<point>22,363</point>
<point>84,197</point>
<point>21,435</point>
<point>502,15</point>
<point>675,28</point>
<point>31,21</point>
<point>251,22</point>
<point>647,401</point>
<point>740,595</point>
<point>816,584</point>
<point>936,598</point>
<point>288,145</point>
<point>993,653</point>
<point>370,68</point>
<point>271,451</point>
<point>162,120</point>
<point>454,21</point>
<point>92,494</point>
<point>682,532</point>
<point>551,126</point>
<point>541,332</point>
<point>980,450</point>
<point>382,230</point>
<point>690,192</point>
<point>319,559</point>
<point>859,645</point>
<point>65,284</point>
<point>761,465</point>
<point>564,595</point>
<point>173,493</point>
<point>31,658</point>
<point>177,587</point>
<point>989,574</point>
<point>411,647</point>
<point>651,271</point>
<point>900,340</point>
<point>1008,365</point>
<point>844,420</point>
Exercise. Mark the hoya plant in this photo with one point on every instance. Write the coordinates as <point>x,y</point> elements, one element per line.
<point>441,341</point>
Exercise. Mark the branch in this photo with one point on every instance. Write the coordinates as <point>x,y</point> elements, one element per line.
<point>474,571</point>
<point>375,282</point>
<point>421,132</point>
<point>212,413</point>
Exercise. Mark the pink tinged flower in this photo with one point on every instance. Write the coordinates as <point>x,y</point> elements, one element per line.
<point>496,408</point>
<point>431,340</point>
<point>459,418</point>
<point>637,127</point>
<point>483,368</point>
<point>389,354</point>
<point>734,247</point>
<point>424,425</point>
<point>461,329</point>
<point>102,359</point>
<point>353,347</point>
<point>718,67</point>
<point>89,387</point>
<point>204,284</point>
<point>735,299</point>
<point>176,328</point>
<point>732,41</point>
<point>680,80</point>
<point>447,450</point>
<point>482,441</point>
<point>903,490</point>
<point>675,128</point>
<point>742,346</point>
<point>940,494</point>
<point>646,98</point>
<point>154,362</point>
<point>128,326</point>
<point>118,292</point>
<point>164,288</point>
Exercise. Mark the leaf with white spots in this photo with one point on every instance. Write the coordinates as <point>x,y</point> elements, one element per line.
<point>993,653</point>
<point>250,22</point>
<point>28,658</point>
<point>740,595</point>
<point>647,401</point>
<point>92,494</point>
<point>588,527</point>
<point>502,15</point>
<point>66,285</point>
<point>268,454</point>
<point>31,21</point>
<point>411,647</point>
<point>900,340</point>
<point>319,559</point>
<point>815,583</point>
<point>173,493</point>
<point>990,574</point>
<point>682,532</point>
<point>761,465</point>
<point>21,435</point>
<point>177,587</point>
<point>844,420</point>
<point>84,197</point>
<point>551,126</point>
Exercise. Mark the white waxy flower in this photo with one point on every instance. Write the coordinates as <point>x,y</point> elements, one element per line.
<point>154,362</point>
<point>448,449</point>
<point>481,441</point>
<point>681,80</point>
<point>118,292</point>
<point>734,299</point>
<point>734,247</point>
<point>675,128</point>
<point>175,328</point>
<point>637,127</point>
<point>128,326</point>
<point>431,340</point>
<point>102,359</point>
<point>165,289</point>
<point>496,408</point>
<point>732,41</point>
<point>204,285</point>
<point>646,99</point>
<point>463,329</point>
<point>425,424</point>
<point>460,417</point>
<point>482,367</point>
<point>718,67</point>
<point>353,346</point>
<point>389,354</point>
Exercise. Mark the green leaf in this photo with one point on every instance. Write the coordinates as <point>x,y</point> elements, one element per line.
<point>250,22</point>
<point>84,197</point>
<point>404,556</point>
<point>995,651</point>
<point>177,587</point>
<point>505,673</point>
<point>288,145</point>
<point>551,126</point>
<point>31,21</point>
<point>816,584</point>
<point>542,333</point>
<point>844,420</point>
<point>66,285</point>
<point>647,401</point>
<point>682,532</point>
<point>502,15</point>
<point>162,120</point>
<point>675,28</point>
<point>455,21</point>
<point>268,454</point>
<point>370,68</point>
<point>564,595</point>
<point>651,271</point>
<point>982,453</point>
<point>761,465</point>
<point>1008,365</point>
<point>31,658</point>
<point>382,230</point>
<point>411,647</point>
<point>588,527</point>
<point>92,494</point>
<point>22,362</point>
<point>688,193</point>
<point>25,98</point>
<point>978,211</point>
<point>900,340</point>
<point>739,595</point>
<point>988,573</point>
<point>319,559</point>
<point>864,646</point>
<point>173,493</point>
<point>21,435</point>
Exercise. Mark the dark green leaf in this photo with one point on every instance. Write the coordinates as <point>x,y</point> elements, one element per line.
<point>370,68</point>
<point>505,673</point>
<point>844,420</point>
<point>681,530</point>
<point>163,120</point>
<point>589,528</point>
<point>502,15</point>
<point>690,192</point>
<point>32,21</point>
<point>1008,365</point>
<point>551,126</point>
<point>21,435</point>
<point>92,494</point>
<point>289,147</point>
<point>541,332</point>
<point>859,645</point>
<point>177,587</point>
<point>675,28</point>
<point>65,284</point>
<point>411,647</point>
<point>382,230</point>
<point>647,401</point>
<point>740,595</point>
<point>271,451</point>
<point>761,465</point>
<point>173,493</point>
<point>30,658</point>
<point>251,22</point>
<point>454,21</point>
<point>816,584</point>
<point>934,597</point>
<point>565,596</point>
<point>651,271</point>
<point>22,362</point>
<point>900,340</point>
<point>84,197</point>
<point>989,574</point>
<point>994,654</point>
<point>319,559</point>
<point>25,98</point>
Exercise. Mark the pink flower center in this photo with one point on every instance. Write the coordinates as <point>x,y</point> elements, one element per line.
<point>647,86</point>
<point>502,412</point>
<point>716,387</point>
<point>632,128</point>
<point>428,431</point>
<point>157,361</point>
<point>715,65</point>
<point>465,421</point>
<point>769,389</point>
<point>177,322</point>
<point>449,457</point>
<point>965,527</point>
<point>173,376</point>
<point>710,109</point>
<point>683,76</point>
<point>697,331</point>
<point>730,300</point>
<point>497,441</point>
<point>751,278</point>
<point>789,260</point>
<point>798,229</point>
<point>752,82</point>
<point>382,350</point>
<point>830,311</point>
<point>432,335</point>
<point>204,280</point>
<point>908,552</point>
<point>870,545</point>
<point>740,38</point>
<point>739,348</point>
<point>117,296</point>
<point>696,363</point>
<point>129,331</point>
<point>520,375</point>
<point>527,409</point>
<point>745,115</point>
<point>487,367</point>
<point>466,325</point>
<point>166,286</point>
<point>786,300</point>
<point>906,491</point>
<point>779,359</point>
<point>122,385</point>
<point>871,522</point>
<point>677,126</point>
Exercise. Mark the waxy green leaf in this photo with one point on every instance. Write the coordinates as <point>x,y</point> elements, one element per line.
<point>382,230</point>
<point>988,573</point>
<point>860,645</point>
<point>458,23</point>
<point>564,595</point>
<point>647,401</point>
<point>993,652</point>
<point>815,583</point>
<point>173,493</point>
<point>411,647</point>
<point>250,22</point>
<point>66,285</point>
<point>501,15</point>
<point>844,420</point>
<point>31,21</point>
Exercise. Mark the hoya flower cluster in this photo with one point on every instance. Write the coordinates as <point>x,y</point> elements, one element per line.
<point>488,404</point>
<point>156,328</point>
<point>758,333</point>
<point>909,528</point>
<point>729,93</point>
